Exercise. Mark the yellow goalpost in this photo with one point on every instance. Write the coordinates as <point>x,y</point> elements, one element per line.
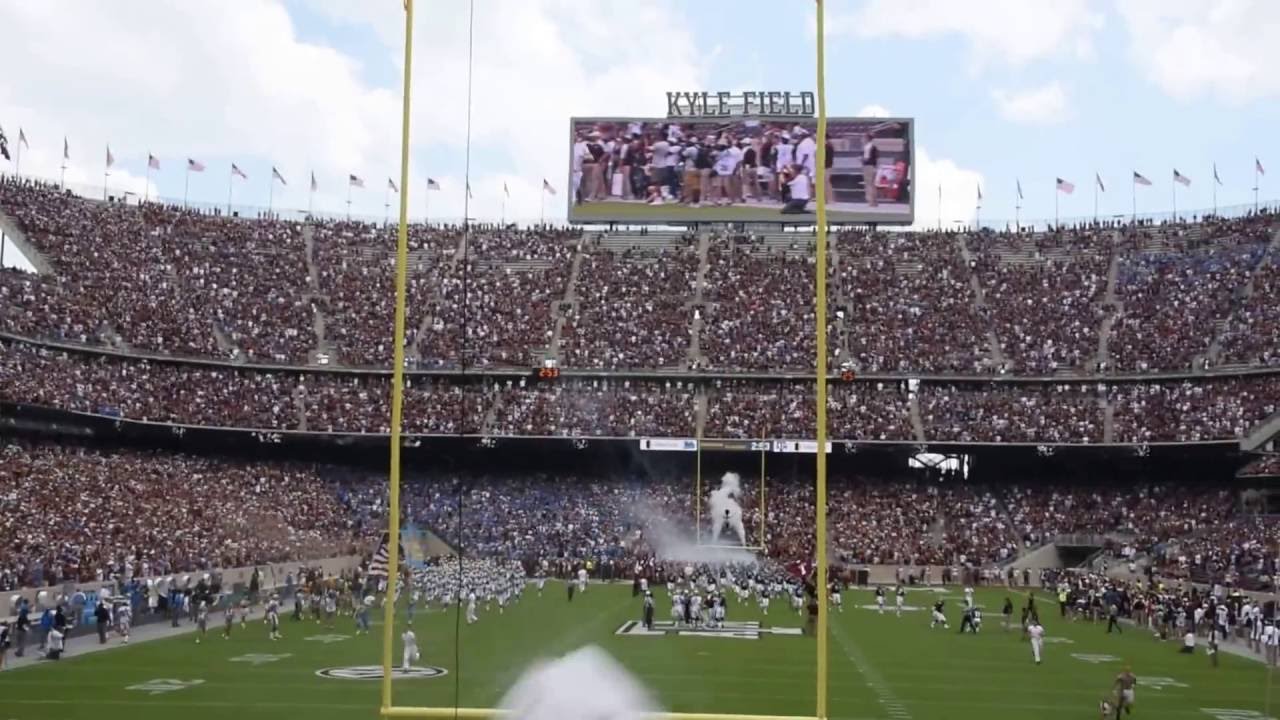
<point>388,707</point>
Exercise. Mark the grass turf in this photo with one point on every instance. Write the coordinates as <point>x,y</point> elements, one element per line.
<point>880,667</point>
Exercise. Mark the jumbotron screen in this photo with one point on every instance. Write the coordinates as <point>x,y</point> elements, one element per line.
<point>664,171</point>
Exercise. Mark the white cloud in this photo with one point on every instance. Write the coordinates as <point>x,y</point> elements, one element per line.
<point>875,111</point>
<point>187,78</point>
<point>1189,48</point>
<point>1012,32</point>
<point>959,191</point>
<point>1046,105</point>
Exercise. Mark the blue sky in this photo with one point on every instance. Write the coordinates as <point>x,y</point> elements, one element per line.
<point>1000,89</point>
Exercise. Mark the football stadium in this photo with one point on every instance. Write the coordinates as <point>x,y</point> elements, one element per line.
<point>717,414</point>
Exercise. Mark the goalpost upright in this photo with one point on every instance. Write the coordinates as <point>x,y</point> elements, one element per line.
<point>388,708</point>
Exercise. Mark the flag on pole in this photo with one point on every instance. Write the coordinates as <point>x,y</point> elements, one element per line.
<point>1098,177</point>
<point>355,181</point>
<point>381,559</point>
<point>547,186</point>
<point>194,166</point>
<point>4,144</point>
<point>1139,179</point>
<point>66,149</point>
<point>111,160</point>
<point>505,191</point>
<point>432,184</point>
<point>313,181</point>
<point>153,162</point>
<point>1065,187</point>
<point>275,175</point>
<point>469,195</point>
<point>1215,174</point>
<point>22,139</point>
<point>392,186</point>
<point>1180,178</point>
<point>237,171</point>
<point>1019,182</point>
<point>979,192</point>
<point>1257,164</point>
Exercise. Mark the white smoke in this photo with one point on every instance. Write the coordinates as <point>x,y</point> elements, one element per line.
<point>673,543</point>
<point>725,510</point>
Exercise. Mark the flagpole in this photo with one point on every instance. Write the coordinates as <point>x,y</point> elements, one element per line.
<point>348,198</point>
<point>386,204</point>
<point>1255,186</point>
<point>1215,191</point>
<point>271,190</point>
<point>1055,206</point>
<point>1175,201</point>
<point>231,176</point>
<point>106,173</point>
<point>939,207</point>
<point>146,189</point>
<point>311,196</point>
<point>186,183</point>
<point>426,206</point>
<point>542,211</point>
<point>1095,197</point>
<point>1133,190</point>
<point>17,160</point>
<point>62,179</point>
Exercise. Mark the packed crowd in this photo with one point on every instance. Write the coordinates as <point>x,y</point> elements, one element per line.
<point>127,513</point>
<point>152,278</point>
<point>70,514</point>
<point>258,399</point>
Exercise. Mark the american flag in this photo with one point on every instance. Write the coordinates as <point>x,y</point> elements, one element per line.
<point>111,159</point>
<point>1180,178</point>
<point>432,184</point>
<point>355,181</point>
<point>237,171</point>
<point>378,564</point>
<point>469,195</point>
<point>1215,174</point>
<point>1066,187</point>
<point>153,162</point>
<point>392,186</point>
<point>66,149</point>
<point>4,145</point>
<point>1139,179</point>
<point>1019,183</point>
<point>313,181</point>
<point>505,191</point>
<point>22,140</point>
<point>275,174</point>
<point>1098,178</point>
<point>1257,164</point>
<point>979,192</point>
<point>547,186</point>
<point>194,166</point>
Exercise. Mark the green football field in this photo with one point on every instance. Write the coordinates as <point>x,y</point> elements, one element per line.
<point>881,667</point>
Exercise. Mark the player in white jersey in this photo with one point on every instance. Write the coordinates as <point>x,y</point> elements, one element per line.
<point>695,609</point>
<point>677,608</point>
<point>797,600</point>
<point>471,607</point>
<point>202,621</point>
<point>717,611</point>
<point>901,599</point>
<point>762,598</point>
<point>1271,641</point>
<point>880,599</point>
<point>1036,632</point>
<point>124,620</point>
<point>228,620</point>
<point>244,613</point>
<point>836,600</point>
<point>410,655</point>
<point>542,582</point>
<point>582,580</point>
<point>968,597</point>
<point>273,619</point>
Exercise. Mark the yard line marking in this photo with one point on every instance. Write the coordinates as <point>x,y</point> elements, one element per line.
<point>887,699</point>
